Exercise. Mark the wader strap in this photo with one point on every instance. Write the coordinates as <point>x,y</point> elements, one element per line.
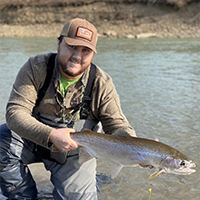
<point>61,157</point>
<point>85,110</point>
<point>50,67</point>
<point>92,124</point>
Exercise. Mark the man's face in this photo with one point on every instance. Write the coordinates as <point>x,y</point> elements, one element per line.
<point>73,60</point>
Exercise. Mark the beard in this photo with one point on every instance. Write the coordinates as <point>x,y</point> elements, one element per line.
<point>69,69</point>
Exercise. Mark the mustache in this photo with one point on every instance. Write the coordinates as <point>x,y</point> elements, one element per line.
<point>75,60</point>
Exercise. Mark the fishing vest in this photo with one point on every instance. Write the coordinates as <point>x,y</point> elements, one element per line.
<point>85,105</point>
<point>95,125</point>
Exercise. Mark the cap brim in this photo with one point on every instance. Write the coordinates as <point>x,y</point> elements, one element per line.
<point>79,42</point>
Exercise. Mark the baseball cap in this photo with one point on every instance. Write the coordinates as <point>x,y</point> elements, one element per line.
<point>80,32</point>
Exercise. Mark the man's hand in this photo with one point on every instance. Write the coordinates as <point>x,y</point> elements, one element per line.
<point>62,140</point>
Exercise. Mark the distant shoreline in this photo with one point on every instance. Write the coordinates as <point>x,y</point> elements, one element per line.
<point>53,31</point>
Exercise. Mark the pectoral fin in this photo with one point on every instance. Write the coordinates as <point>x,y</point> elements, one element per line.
<point>84,155</point>
<point>115,170</point>
<point>156,173</point>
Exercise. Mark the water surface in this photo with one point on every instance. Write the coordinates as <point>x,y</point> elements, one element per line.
<point>158,82</point>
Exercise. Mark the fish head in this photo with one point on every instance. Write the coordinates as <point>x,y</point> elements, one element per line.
<point>182,166</point>
<point>175,166</point>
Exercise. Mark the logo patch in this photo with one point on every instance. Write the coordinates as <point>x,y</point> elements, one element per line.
<point>84,33</point>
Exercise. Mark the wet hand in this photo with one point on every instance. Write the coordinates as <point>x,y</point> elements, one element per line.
<point>62,140</point>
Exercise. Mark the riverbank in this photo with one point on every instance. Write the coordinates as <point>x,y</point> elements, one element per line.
<point>112,20</point>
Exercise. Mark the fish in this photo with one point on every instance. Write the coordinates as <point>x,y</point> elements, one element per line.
<point>128,151</point>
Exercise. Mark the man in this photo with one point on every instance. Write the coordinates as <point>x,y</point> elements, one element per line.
<point>36,124</point>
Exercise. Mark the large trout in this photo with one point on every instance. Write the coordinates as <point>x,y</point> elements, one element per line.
<point>130,151</point>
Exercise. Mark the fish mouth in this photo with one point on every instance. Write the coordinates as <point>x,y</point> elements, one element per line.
<point>186,170</point>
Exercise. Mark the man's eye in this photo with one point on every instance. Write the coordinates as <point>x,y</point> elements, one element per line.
<point>86,50</point>
<point>71,46</point>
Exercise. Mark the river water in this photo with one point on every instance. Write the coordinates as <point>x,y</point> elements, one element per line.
<point>159,86</point>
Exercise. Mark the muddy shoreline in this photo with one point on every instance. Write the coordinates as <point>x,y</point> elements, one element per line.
<point>111,19</point>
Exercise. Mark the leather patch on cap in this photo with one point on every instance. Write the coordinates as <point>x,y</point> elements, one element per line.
<point>84,33</point>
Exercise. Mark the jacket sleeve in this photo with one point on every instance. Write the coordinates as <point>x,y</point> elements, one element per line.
<point>22,101</point>
<point>108,109</point>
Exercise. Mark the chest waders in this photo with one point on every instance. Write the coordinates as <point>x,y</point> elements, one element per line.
<point>57,122</point>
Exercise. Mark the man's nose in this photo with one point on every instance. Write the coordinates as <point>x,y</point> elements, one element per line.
<point>77,53</point>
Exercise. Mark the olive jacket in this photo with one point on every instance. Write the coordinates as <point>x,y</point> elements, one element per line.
<point>105,104</point>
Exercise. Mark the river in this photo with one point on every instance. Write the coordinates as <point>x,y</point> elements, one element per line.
<point>158,82</point>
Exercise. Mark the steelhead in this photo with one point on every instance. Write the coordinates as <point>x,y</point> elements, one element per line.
<point>126,151</point>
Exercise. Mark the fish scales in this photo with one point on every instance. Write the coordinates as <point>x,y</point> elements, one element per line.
<point>127,151</point>
<point>138,148</point>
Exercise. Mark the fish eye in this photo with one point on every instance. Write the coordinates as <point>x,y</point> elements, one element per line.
<point>182,163</point>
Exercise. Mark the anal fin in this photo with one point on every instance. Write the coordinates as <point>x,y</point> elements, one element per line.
<point>115,170</point>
